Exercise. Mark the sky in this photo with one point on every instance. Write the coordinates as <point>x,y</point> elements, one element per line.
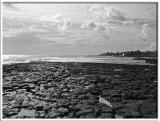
<point>78,28</point>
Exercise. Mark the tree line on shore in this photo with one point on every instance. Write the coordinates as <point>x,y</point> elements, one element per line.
<point>136,53</point>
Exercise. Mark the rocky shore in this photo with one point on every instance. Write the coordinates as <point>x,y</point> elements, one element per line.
<point>73,90</point>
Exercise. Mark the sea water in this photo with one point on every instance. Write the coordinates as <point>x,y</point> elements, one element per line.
<point>8,59</point>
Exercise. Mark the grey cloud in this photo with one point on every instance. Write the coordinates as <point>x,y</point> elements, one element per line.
<point>103,28</point>
<point>12,31</point>
<point>152,47</point>
<point>57,21</point>
<point>10,5</point>
<point>108,14</point>
<point>115,16</point>
<point>89,24</point>
<point>144,33</point>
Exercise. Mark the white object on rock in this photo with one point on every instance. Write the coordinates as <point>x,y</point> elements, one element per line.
<point>104,101</point>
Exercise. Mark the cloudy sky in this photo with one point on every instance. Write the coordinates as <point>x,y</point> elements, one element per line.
<point>78,29</point>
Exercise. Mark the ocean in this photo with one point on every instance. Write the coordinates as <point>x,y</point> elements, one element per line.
<point>10,59</point>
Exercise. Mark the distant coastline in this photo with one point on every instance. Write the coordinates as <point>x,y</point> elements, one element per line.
<point>148,56</point>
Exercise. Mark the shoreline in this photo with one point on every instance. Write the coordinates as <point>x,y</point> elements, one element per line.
<point>73,90</point>
<point>32,62</point>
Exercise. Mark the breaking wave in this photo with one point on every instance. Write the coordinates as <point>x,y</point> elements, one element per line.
<point>8,59</point>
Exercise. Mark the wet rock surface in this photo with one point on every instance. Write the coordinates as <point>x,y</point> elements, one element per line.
<point>72,90</point>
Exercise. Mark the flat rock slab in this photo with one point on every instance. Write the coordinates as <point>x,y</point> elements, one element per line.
<point>26,113</point>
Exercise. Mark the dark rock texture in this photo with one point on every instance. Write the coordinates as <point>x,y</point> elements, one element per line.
<point>72,90</point>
